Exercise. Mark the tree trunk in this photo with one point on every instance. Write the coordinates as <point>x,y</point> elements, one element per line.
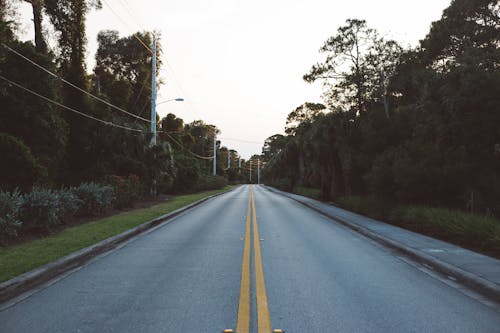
<point>40,44</point>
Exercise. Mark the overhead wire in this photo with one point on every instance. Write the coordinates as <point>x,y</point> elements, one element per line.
<point>73,85</point>
<point>128,26</point>
<point>67,107</point>
<point>186,149</point>
<point>182,91</point>
<point>95,118</point>
<point>240,140</point>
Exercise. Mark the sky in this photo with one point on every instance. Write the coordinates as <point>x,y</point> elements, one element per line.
<point>239,64</point>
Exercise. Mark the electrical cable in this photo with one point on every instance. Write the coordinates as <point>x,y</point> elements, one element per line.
<point>67,107</point>
<point>73,85</point>
<point>126,24</point>
<point>183,147</point>
<point>240,140</point>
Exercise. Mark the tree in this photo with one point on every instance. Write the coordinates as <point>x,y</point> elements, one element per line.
<point>38,124</point>
<point>123,70</point>
<point>40,44</point>
<point>68,20</point>
<point>19,169</point>
<point>301,115</point>
<point>351,71</point>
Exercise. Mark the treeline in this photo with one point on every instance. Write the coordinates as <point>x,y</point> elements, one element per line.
<point>60,126</point>
<point>417,126</point>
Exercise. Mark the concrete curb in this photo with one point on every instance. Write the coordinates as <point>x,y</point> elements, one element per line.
<point>26,281</point>
<point>487,288</point>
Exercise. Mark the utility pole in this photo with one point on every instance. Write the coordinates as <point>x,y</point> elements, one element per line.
<point>384,92</point>
<point>250,171</point>
<point>239,162</point>
<point>258,171</point>
<point>215,152</point>
<point>228,159</point>
<point>153,92</point>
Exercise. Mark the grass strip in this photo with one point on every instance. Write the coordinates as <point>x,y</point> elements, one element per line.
<point>314,193</point>
<point>22,258</point>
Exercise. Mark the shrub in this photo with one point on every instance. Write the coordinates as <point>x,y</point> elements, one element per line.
<point>211,183</point>
<point>69,204</point>
<point>18,168</point>
<point>95,198</point>
<point>127,190</point>
<point>465,227</point>
<point>369,206</point>
<point>187,174</point>
<point>40,210</point>
<point>10,205</point>
<point>284,184</point>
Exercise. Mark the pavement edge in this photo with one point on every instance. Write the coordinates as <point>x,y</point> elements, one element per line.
<point>38,276</point>
<point>485,287</point>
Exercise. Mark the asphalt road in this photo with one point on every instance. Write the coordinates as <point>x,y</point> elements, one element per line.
<point>185,276</point>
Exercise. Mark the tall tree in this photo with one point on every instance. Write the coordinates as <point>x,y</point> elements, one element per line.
<point>37,6</point>
<point>68,19</point>
<point>351,71</point>
<point>123,70</point>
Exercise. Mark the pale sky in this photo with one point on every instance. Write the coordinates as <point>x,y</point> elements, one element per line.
<point>239,64</point>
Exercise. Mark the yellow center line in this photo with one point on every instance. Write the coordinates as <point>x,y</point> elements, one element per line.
<point>263,316</point>
<point>243,322</point>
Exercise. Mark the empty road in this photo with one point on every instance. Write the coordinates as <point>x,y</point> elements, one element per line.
<point>250,260</point>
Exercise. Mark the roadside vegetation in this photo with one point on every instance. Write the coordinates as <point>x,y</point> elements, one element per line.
<point>479,233</point>
<point>85,145</point>
<point>476,232</point>
<point>415,127</point>
<point>21,258</point>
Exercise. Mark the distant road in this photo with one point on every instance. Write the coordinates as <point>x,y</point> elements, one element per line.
<point>204,271</point>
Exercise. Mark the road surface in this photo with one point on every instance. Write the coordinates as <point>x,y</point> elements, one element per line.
<point>205,271</point>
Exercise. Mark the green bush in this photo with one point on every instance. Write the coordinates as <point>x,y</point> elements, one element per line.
<point>187,174</point>
<point>68,203</point>
<point>10,206</point>
<point>127,189</point>
<point>451,225</point>
<point>40,210</point>
<point>206,183</point>
<point>284,184</point>
<point>310,192</point>
<point>368,206</point>
<point>19,169</point>
<point>95,198</point>
<point>464,227</point>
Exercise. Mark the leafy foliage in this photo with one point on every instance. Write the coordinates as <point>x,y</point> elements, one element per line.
<point>10,206</point>
<point>127,189</point>
<point>436,143</point>
<point>95,198</point>
<point>18,168</point>
<point>40,210</point>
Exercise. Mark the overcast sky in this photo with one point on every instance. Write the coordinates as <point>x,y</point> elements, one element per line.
<point>239,64</point>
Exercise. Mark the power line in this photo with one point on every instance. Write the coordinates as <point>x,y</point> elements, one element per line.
<point>240,140</point>
<point>73,85</point>
<point>127,25</point>
<point>183,93</point>
<point>67,107</point>
<point>183,147</point>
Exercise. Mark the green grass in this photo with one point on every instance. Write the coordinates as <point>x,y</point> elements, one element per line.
<point>310,192</point>
<point>474,231</point>
<point>22,258</point>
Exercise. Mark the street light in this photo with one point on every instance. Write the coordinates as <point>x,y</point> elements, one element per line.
<point>178,99</point>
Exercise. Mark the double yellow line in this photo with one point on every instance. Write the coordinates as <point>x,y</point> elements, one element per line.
<point>263,316</point>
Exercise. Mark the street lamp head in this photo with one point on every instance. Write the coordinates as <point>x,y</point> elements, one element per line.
<point>178,99</point>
